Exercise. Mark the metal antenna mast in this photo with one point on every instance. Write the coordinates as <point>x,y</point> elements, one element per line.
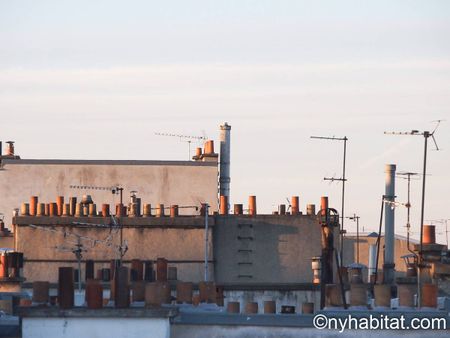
<point>426,135</point>
<point>206,206</point>
<point>78,247</point>
<point>114,190</point>
<point>343,180</point>
<point>356,219</point>
<point>445,222</point>
<point>185,138</point>
<point>408,204</point>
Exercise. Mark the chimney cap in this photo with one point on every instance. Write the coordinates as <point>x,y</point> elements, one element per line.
<point>225,126</point>
<point>390,167</point>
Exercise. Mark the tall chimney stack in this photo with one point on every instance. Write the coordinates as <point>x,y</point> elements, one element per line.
<point>389,225</point>
<point>224,178</point>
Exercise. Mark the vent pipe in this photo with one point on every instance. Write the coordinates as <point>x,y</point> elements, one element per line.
<point>224,178</point>
<point>372,262</point>
<point>389,225</point>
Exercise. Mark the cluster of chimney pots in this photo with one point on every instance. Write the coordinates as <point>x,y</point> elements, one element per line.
<point>357,290</point>
<point>158,292</point>
<point>140,284</point>
<point>87,208</point>
<point>11,263</point>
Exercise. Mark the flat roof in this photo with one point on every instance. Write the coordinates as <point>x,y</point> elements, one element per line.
<point>182,222</point>
<point>107,162</point>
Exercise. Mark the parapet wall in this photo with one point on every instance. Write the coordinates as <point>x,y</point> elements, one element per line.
<point>47,245</point>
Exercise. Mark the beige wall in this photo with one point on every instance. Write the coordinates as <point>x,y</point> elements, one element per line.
<point>400,249</point>
<point>281,248</point>
<point>7,242</point>
<point>174,182</point>
<point>44,250</point>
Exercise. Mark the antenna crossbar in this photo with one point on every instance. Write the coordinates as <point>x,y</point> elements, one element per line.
<point>343,180</point>
<point>330,138</point>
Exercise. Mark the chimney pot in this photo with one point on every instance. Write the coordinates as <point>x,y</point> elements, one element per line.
<point>10,148</point>
<point>295,205</point>
<point>224,205</point>
<point>252,205</point>
<point>238,209</point>
<point>209,147</point>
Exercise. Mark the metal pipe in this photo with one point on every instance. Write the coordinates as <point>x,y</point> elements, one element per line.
<point>408,212</point>
<point>357,239</point>
<point>389,223</point>
<point>446,232</point>
<point>426,134</point>
<point>224,178</point>
<point>341,237</point>
<point>206,205</point>
<point>122,251</point>
<point>379,240</point>
<point>422,212</point>
<point>372,261</point>
<point>356,218</point>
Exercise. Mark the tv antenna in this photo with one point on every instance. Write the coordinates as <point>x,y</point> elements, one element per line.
<point>443,221</point>
<point>340,179</point>
<point>185,138</point>
<point>356,218</point>
<point>408,176</point>
<point>77,246</point>
<point>115,190</point>
<point>289,206</point>
<point>77,250</point>
<point>426,135</point>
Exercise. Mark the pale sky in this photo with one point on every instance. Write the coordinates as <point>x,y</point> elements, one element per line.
<point>96,79</point>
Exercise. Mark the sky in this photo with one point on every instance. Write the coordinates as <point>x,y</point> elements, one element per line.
<point>96,80</point>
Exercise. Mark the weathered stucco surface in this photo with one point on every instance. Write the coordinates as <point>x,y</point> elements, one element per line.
<point>266,248</point>
<point>45,251</point>
<point>400,249</point>
<point>176,182</point>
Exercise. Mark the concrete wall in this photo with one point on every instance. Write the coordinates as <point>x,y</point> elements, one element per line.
<point>265,248</point>
<point>7,242</point>
<point>44,250</point>
<point>288,297</point>
<point>95,327</point>
<point>168,182</point>
<point>400,249</point>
